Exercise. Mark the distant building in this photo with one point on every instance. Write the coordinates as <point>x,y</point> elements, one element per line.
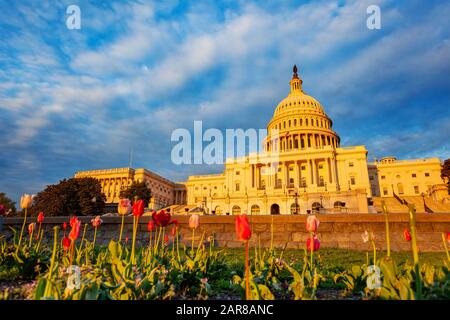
<point>164,191</point>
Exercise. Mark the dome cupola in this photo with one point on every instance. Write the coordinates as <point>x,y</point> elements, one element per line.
<point>299,122</point>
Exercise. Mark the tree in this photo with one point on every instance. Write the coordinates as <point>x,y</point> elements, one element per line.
<point>445,173</point>
<point>74,196</point>
<point>137,191</point>
<point>9,205</point>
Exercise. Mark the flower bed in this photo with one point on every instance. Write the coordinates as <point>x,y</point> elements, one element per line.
<point>75,266</point>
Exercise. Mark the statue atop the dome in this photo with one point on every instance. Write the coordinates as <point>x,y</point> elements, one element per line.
<point>295,76</point>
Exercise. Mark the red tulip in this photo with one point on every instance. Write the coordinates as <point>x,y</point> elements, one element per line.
<point>66,243</point>
<point>448,237</point>
<point>175,222</point>
<point>243,230</point>
<point>40,217</point>
<point>312,223</point>
<point>166,239</point>
<point>161,218</point>
<point>407,235</point>
<point>126,239</point>
<point>138,208</point>
<point>174,231</point>
<point>64,226</point>
<point>75,232</point>
<point>31,227</point>
<point>150,226</point>
<point>314,246</point>
<point>73,220</point>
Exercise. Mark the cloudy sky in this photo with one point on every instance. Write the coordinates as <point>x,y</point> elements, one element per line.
<point>75,100</point>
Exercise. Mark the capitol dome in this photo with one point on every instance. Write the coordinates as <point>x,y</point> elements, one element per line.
<point>299,122</point>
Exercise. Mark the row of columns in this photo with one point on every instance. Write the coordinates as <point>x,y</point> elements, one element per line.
<point>111,187</point>
<point>179,196</point>
<point>301,141</point>
<point>309,177</point>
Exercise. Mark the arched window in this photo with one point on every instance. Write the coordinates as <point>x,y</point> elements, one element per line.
<point>301,122</point>
<point>236,210</point>
<point>254,209</point>
<point>339,204</point>
<point>295,208</point>
<point>316,207</point>
<point>275,209</point>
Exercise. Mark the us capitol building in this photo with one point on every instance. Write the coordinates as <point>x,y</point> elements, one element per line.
<point>311,172</point>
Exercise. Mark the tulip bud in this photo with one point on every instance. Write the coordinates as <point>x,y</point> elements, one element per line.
<point>25,201</point>
<point>243,230</point>
<point>407,235</point>
<point>312,223</point>
<point>40,217</point>
<point>194,221</point>
<point>124,207</point>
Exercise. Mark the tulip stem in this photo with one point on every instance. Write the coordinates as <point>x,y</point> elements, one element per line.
<point>21,231</point>
<point>311,248</point>
<point>412,226</point>
<point>31,238</point>
<point>445,246</point>
<point>40,235</point>
<point>247,276</point>
<point>178,249</point>
<point>374,252</point>
<point>52,262</point>
<point>121,228</point>
<point>193,236</point>
<point>388,238</point>
<point>95,237</point>
<point>271,235</point>
<point>133,244</point>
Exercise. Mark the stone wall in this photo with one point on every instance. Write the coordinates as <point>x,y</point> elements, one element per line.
<point>335,231</point>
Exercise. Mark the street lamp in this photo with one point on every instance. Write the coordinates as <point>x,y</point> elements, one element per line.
<point>296,202</point>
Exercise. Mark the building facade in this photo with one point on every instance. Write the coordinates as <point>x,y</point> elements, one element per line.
<point>302,169</point>
<point>164,192</point>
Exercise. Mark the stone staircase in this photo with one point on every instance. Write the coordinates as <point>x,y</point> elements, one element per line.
<point>394,206</point>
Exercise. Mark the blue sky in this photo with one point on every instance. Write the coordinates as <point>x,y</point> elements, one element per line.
<point>75,100</point>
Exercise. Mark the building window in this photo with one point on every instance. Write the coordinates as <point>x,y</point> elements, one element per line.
<point>238,173</point>
<point>413,175</point>
<point>371,178</point>
<point>385,191</point>
<point>351,164</point>
<point>291,168</point>
<point>398,176</point>
<point>320,166</point>
<point>400,188</point>
<point>295,208</point>
<point>303,182</point>
<point>383,177</point>
<point>352,181</point>
<point>303,168</point>
<point>237,186</point>
<point>254,209</point>
<point>236,210</point>
<point>427,174</point>
<point>321,181</point>
<point>416,189</point>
